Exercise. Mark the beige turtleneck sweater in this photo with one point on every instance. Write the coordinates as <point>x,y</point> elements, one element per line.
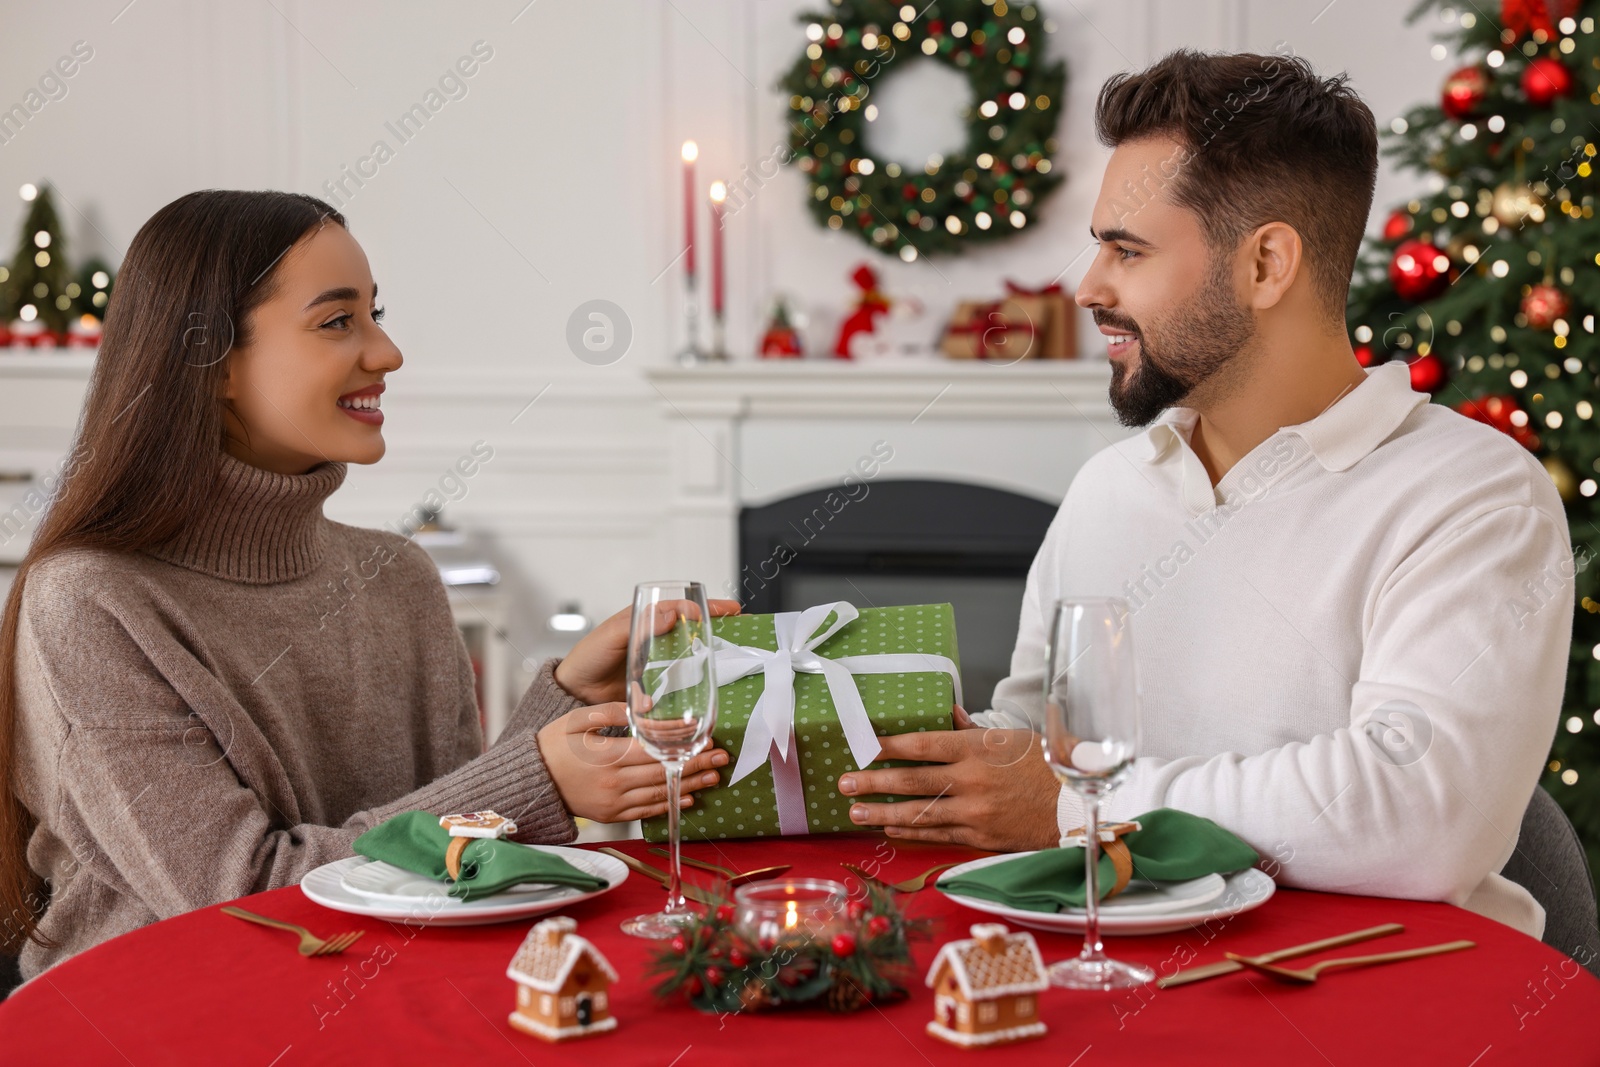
<point>222,715</point>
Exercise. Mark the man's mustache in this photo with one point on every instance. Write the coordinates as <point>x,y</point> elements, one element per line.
<point>1102,318</point>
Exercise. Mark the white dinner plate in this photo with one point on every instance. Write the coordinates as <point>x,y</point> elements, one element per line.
<point>326,886</point>
<point>1157,898</point>
<point>395,885</point>
<point>1242,891</point>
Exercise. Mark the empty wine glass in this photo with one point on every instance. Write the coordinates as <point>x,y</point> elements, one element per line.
<point>1091,700</point>
<point>672,706</point>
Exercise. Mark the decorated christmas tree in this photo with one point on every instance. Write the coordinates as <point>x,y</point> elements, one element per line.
<point>1488,287</point>
<point>38,285</point>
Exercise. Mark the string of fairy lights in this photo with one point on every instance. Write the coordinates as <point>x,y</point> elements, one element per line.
<point>986,190</point>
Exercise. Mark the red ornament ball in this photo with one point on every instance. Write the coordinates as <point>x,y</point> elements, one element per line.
<point>1522,17</point>
<point>1397,226</point>
<point>844,944</point>
<point>1464,93</point>
<point>1427,373</point>
<point>1365,355</point>
<point>1543,305</point>
<point>1545,79</point>
<point>1419,271</point>
<point>877,926</point>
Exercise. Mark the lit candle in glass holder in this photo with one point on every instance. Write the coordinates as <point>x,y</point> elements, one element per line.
<point>800,909</point>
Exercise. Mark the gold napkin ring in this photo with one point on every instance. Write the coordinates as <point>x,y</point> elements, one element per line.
<point>452,857</point>
<point>1112,845</point>
<point>465,826</point>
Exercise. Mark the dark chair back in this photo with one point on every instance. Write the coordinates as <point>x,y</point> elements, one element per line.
<point>1550,863</point>
<point>10,975</point>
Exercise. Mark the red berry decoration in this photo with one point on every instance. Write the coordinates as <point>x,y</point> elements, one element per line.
<point>844,944</point>
<point>856,909</point>
<point>1419,271</point>
<point>877,926</point>
<point>714,975</point>
<point>679,944</point>
<point>1464,93</point>
<point>1543,305</point>
<point>736,958</point>
<point>1427,373</point>
<point>1397,226</point>
<point>693,986</point>
<point>724,913</point>
<point>1544,80</point>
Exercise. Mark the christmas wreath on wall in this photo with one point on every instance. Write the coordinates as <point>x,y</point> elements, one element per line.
<point>991,187</point>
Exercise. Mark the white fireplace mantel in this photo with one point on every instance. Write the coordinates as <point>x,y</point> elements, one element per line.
<point>746,434</point>
<point>936,389</point>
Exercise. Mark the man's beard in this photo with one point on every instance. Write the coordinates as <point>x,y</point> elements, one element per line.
<point>1183,350</point>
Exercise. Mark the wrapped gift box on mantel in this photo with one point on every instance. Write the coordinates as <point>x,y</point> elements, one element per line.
<point>802,698</point>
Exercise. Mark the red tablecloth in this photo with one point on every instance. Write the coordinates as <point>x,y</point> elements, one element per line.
<point>205,988</point>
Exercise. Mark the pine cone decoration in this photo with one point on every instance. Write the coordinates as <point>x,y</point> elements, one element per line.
<point>755,995</point>
<point>844,994</point>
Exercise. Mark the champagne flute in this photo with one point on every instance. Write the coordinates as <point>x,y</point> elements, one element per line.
<point>1091,700</point>
<point>672,706</point>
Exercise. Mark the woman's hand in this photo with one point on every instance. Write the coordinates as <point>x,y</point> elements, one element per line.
<point>593,670</point>
<point>613,779</point>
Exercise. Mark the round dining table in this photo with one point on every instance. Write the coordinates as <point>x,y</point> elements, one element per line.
<point>206,988</point>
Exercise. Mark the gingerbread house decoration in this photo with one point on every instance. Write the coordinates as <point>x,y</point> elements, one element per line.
<point>563,983</point>
<point>986,989</point>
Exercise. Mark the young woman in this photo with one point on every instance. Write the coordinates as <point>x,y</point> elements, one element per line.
<point>182,719</point>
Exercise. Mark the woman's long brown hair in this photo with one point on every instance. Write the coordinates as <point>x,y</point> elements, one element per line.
<point>149,442</point>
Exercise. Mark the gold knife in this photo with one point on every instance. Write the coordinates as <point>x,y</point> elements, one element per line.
<point>1212,970</point>
<point>691,892</point>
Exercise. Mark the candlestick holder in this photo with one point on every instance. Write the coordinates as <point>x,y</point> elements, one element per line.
<point>691,352</point>
<point>719,348</point>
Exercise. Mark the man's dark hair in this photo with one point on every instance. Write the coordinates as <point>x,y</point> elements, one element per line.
<point>1265,139</point>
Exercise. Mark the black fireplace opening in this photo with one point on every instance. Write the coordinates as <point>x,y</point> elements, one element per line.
<point>887,543</point>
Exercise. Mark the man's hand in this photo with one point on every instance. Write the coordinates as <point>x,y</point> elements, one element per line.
<point>593,670</point>
<point>988,788</point>
<point>613,779</point>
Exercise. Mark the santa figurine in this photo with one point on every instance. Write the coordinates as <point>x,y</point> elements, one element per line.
<point>864,318</point>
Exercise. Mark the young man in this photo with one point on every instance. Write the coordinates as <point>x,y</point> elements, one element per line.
<point>1352,608</point>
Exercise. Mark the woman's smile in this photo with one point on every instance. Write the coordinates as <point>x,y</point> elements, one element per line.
<point>364,405</point>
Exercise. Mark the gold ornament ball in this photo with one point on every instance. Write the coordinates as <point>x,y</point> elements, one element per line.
<point>1561,475</point>
<point>1456,247</point>
<point>1514,203</point>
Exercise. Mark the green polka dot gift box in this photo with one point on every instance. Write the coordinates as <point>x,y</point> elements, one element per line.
<point>858,674</point>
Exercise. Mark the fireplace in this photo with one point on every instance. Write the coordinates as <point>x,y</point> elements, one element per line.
<point>902,542</point>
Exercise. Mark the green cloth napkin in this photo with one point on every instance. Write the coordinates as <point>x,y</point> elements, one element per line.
<point>414,841</point>
<point>1171,846</point>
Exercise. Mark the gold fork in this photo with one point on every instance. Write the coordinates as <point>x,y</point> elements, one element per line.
<point>734,878</point>
<point>910,885</point>
<point>1310,974</point>
<point>310,943</point>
